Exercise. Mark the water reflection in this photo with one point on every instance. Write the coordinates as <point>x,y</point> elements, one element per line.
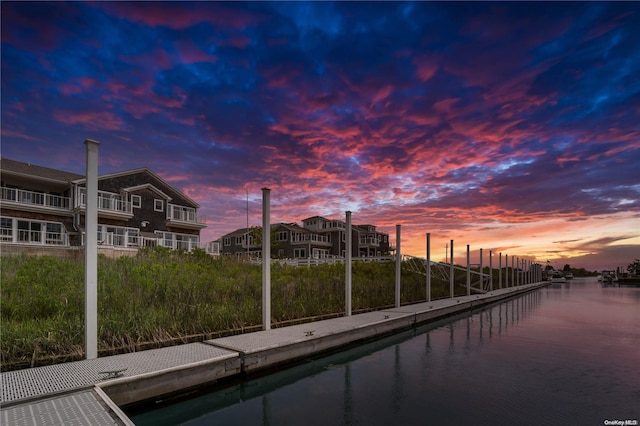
<point>557,355</point>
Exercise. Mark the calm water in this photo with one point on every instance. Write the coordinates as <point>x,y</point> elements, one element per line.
<point>567,355</point>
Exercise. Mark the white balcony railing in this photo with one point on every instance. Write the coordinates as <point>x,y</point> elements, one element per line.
<point>26,236</point>
<point>303,238</point>
<point>35,198</point>
<point>6,235</point>
<point>333,225</point>
<point>107,201</point>
<point>369,241</point>
<point>184,214</point>
<point>175,244</point>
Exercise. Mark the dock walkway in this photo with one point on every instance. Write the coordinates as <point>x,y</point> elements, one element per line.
<point>90,392</point>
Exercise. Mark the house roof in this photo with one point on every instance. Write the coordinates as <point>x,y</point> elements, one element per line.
<point>237,232</point>
<point>18,168</point>
<point>316,217</point>
<point>148,186</point>
<point>290,226</point>
<point>293,227</point>
<point>45,173</point>
<point>150,173</point>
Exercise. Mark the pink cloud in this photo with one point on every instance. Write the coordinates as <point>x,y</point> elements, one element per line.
<point>89,119</point>
<point>177,16</point>
<point>189,53</point>
<point>426,67</point>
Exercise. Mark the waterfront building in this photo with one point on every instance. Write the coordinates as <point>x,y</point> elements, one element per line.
<point>317,238</point>
<point>45,207</point>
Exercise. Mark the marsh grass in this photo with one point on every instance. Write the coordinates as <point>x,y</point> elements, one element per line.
<point>161,298</point>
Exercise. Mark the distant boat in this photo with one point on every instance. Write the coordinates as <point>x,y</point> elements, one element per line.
<point>628,279</point>
<point>568,276</point>
<point>608,277</point>
<point>557,278</point>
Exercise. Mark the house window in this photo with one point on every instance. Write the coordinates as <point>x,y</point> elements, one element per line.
<point>158,205</point>
<point>6,229</point>
<point>29,232</point>
<point>281,236</point>
<point>238,241</point>
<point>54,233</point>
<point>227,241</point>
<point>136,201</point>
<point>299,253</point>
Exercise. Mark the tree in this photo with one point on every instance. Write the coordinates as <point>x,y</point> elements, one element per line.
<point>567,268</point>
<point>634,267</point>
<point>256,235</point>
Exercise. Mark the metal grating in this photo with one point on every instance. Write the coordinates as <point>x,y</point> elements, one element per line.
<point>42,381</point>
<point>81,408</point>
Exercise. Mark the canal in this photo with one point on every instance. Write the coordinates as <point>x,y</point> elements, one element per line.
<point>564,354</point>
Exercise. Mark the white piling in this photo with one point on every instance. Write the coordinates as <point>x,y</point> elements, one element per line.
<point>428,267</point>
<point>468,272</point>
<point>506,270</point>
<point>451,272</point>
<point>266,259</point>
<point>398,265</point>
<point>481,272</point>
<point>348,260</point>
<point>490,270</point>
<point>91,251</point>
<point>500,270</point>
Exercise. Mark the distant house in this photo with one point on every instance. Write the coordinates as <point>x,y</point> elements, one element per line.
<point>318,238</point>
<point>136,208</point>
<point>288,240</point>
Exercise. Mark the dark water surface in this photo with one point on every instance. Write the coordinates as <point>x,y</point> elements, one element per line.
<point>563,355</point>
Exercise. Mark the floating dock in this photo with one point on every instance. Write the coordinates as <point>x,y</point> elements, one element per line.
<point>92,391</point>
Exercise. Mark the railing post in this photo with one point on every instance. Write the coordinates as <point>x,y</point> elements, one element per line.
<point>91,251</point>
<point>428,267</point>
<point>266,259</point>
<point>348,264</point>
<point>398,266</point>
<point>513,272</point>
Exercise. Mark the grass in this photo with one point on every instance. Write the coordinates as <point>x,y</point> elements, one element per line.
<point>162,297</point>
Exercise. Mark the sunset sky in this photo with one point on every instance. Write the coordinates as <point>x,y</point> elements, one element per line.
<point>509,126</point>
